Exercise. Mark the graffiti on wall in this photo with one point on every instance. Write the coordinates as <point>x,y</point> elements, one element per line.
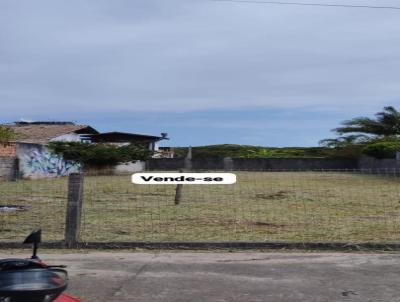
<point>37,161</point>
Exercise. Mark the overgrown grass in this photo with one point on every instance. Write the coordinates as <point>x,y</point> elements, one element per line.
<point>261,206</point>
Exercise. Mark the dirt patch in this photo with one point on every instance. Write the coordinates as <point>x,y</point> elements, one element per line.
<point>267,224</point>
<point>121,232</point>
<point>276,195</point>
<point>261,224</point>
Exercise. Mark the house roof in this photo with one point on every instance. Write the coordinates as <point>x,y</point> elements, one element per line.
<point>119,137</point>
<point>42,133</point>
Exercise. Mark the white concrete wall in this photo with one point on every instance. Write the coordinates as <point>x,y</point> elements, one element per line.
<point>137,166</point>
<point>70,137</point>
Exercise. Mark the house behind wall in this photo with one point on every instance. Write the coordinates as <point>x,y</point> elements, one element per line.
<point>30,147</point>
<point>37,161</point>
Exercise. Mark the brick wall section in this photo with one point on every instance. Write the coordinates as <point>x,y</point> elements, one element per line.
<point>8,168</point>
<point>8,150</point>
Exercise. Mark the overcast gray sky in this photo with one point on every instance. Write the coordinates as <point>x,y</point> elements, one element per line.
<point>276,75</point>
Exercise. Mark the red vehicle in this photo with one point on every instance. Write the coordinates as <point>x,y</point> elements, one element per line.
<point>31,280</point>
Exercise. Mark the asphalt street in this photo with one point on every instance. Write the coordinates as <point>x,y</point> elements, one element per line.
<point>220,277</point>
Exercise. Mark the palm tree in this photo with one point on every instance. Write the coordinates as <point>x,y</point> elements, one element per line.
<point>344,141</point>
<point>386,124</point>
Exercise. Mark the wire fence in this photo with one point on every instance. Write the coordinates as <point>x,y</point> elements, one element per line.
<point>30,204</point>
<point>295,206</point>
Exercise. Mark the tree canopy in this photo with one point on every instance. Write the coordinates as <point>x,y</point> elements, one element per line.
<point>378,137</point>
<point>344,141</point>
<point>6,135</point>
<point>100,154</point>
<point>385,123</point>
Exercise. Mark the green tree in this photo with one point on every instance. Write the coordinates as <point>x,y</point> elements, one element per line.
<point>386,123</point>
<point>6,135</point>
<point>100,154</point>
<point>344,141</point>
<point>380,150</point>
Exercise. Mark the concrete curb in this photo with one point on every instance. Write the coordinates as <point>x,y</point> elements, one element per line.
<point>231,245</point>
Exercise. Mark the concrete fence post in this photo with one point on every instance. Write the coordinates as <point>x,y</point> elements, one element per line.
<point>188,160</point>
<point>74,209</point>
<point>228,164</point>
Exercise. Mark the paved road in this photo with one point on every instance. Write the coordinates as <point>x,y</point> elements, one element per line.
<point>220,277</point>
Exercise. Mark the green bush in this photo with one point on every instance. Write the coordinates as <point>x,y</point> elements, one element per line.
<point>246,151</point>
<point>7,135</point>
<point>100,154</point>
<point>349,152</point>
<point>382,149</point>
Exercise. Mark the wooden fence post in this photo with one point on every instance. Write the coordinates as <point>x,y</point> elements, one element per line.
<point>178,193</point>
<point>74,209</point>
<point>187,167</point>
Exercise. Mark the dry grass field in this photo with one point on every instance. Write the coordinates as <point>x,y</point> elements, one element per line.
<point>261,206</point>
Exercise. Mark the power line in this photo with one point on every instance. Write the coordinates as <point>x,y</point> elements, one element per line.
<point>310,4</point>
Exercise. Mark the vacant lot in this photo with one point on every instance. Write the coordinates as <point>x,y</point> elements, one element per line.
<point>261,206</point>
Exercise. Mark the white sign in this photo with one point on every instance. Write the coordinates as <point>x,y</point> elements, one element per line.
<point>184,178</point>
